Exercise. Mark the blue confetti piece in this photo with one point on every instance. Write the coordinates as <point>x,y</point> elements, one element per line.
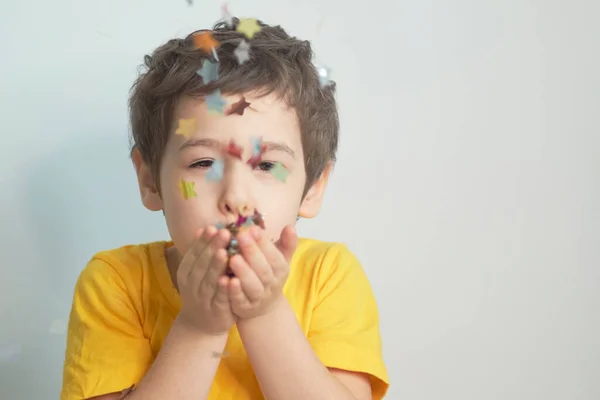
<point>215,173</point>
<point>209,71</point>
<point>215,102</point>
<point>256,146</point>
<point>248,222</point>
<point>220,225</point>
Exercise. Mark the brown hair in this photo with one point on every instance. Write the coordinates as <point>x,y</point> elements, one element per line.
<point>278,63</point>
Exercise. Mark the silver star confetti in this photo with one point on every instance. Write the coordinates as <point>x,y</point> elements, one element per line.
<point>241,52</point>
<point>324,74</point>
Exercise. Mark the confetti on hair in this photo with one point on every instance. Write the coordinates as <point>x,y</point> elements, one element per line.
<point>234,150</point>
<point>215,102</point>
<point>279,172</point>
<point>209,71</point>
<point>258,148</point>
<point>186,127</point>
<point>242,52</point>
<point>215,173</point>
<point>187,189</point>
<point>238,107</point>
<point>249,27</point>
<point>324,74</point>
<point>227,17</point>
<point>205,41</point>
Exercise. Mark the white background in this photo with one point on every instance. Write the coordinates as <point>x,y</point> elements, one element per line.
<point>467,182</point>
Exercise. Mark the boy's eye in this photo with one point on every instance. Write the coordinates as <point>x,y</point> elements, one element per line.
<point>266,166</point>
<point>202,164</point>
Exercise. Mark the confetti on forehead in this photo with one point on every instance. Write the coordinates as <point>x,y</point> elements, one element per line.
<point>238,107</point>
<point>215,102</point>
<point>234,150</point>
<point>187,127</point>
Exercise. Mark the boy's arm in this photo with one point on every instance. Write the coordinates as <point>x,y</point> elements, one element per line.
<point>286,365</point>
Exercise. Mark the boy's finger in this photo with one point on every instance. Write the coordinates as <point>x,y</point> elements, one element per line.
<point>254,256</point>
<point>250,282</point>
<point>217,266</point>
<point>236,295</point>
<point>221,297</point>
<point>287,242</point>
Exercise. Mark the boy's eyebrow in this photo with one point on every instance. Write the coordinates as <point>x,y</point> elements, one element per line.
<point>204,142</point>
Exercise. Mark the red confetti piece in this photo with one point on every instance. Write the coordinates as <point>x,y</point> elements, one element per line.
<point>234,150</point>
<point>238,107</point>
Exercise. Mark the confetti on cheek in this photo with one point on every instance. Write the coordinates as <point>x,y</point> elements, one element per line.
<point>187,189</point>
<point>242,52</point>
<point>215,102</point>
<point>215,173</point>
<point>209,71</point>
<point>238,107</point>
<point>279,172</point>
<point>187,127</point>
<point>249,27</point>
<point>205,41</point>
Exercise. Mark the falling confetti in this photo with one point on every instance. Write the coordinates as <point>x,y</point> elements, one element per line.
<point>279,172</point>
<point>234,150</point>
<point>227,17</point>
<point>258,148</point>
<point>249,27</point>
<point>242,52</point>
<point>190,2</point>
<point>215,102</point>
<point>187,189</point>
<point>215,173</point>
<point>58,327</point>
<point>238,107</point>
<point>205,41</point>
<point>324,74</point>
<point>187,127</point>
<point>209,71</point>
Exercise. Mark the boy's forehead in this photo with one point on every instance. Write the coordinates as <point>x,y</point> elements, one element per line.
<point>266,116</point>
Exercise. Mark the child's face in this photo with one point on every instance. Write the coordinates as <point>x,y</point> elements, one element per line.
<point>241,186</point>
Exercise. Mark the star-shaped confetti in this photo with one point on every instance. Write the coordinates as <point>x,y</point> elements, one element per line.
<point>227,17</point>
<point>324,74</point>
<point>238,107</point>
<point>249,27</point>
<point>279,172</point>
<point>187,189</point>
<point>242,52</point>
<point>209,71</point>
<point>205,41</point>
<point>187,127</point>
<point>215,102</point>
<point>234,150</point>
<point>215,173</point>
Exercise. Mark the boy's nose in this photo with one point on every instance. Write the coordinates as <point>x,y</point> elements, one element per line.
<point>236,198</point>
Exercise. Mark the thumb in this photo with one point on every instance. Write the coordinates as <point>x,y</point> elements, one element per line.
<point>287,242</point>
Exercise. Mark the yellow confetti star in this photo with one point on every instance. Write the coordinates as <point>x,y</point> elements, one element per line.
<point>187,127</point>
<point>249,27</point>
<point>187,189</point>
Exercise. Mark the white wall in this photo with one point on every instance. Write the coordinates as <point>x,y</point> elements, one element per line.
<point>467,182</point>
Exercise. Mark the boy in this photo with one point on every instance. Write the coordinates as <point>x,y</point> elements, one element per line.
<point>207,315</point>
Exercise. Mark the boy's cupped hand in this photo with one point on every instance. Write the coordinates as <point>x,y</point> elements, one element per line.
<point>203,287</point>
<point>261,270</point>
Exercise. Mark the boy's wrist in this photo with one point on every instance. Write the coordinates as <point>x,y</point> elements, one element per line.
<point>276,308</point>
<point>183,326</point>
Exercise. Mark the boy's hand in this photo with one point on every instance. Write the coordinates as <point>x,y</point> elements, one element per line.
<point>202,285</point>
<point>261,269</point>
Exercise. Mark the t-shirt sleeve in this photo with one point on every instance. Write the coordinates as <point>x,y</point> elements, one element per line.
<point>344,330</point>
<point>106,348</point>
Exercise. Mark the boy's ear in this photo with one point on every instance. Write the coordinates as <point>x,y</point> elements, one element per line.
<point>311,204</point>
<point>148,191</point>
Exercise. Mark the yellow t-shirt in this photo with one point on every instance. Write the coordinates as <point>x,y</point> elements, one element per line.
<point>125,302</point>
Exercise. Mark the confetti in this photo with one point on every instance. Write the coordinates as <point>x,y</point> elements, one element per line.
<point>249,27</point>
<point>238,107</point>
<point>258,219</point>
<point>187,189</point>
<point>219,225</point>
<point>215,102</point>
<point>242,52</point>
<point>187,127</point>
<point>209,71</point>
<point>58,327</point>
<point>258,148</point>
<point>279,172</point>
<point>215,173</point>
<point>227,17</point>
<point>323,73</point>
<point>234,150</point>
<point>205,41</point>
<point>190,2</point>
